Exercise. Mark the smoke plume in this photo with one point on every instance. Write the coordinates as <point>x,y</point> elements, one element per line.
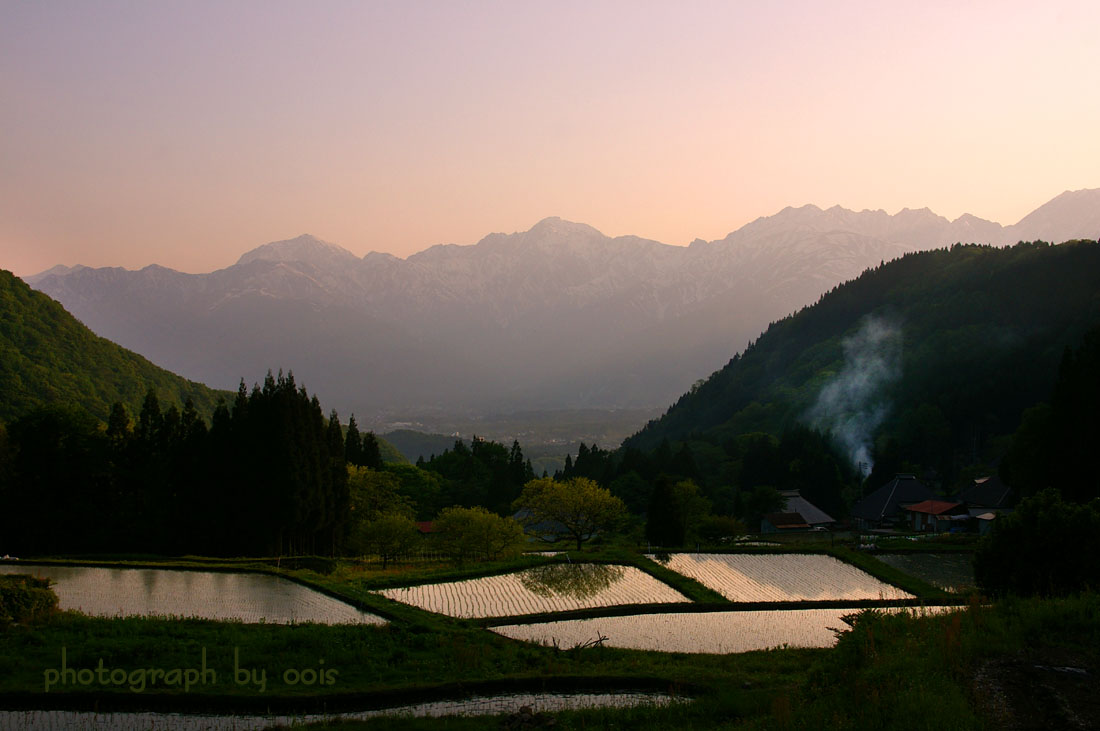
<point>852,404</point>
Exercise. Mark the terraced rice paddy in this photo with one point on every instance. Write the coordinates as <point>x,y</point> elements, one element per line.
<point>949,571</point>
<point>701,632</point>
<point>105,592</point>
<point>551,588</point>
<point>742,577</point>
<point>476,706</point>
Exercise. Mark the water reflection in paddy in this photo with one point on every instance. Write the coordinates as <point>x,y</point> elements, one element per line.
<point>107,592</point>
<point>703,632</point>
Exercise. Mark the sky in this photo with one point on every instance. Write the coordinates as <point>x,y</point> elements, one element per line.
<point>186,133</point>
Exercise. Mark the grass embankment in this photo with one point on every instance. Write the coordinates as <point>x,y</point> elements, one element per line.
<point>982,667</point>
<point>423,655</point>
<point>391,663</point>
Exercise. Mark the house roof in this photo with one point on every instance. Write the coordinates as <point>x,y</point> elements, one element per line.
<point>425,526</point>
<point>934,507</point>
<point>545,528</point>
<point>786,521</point>
<point>988,492</point>
<point>888,499</point>
<point>798,504</point>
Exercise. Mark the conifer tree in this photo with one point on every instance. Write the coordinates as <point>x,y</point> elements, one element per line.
<point>353,444</point>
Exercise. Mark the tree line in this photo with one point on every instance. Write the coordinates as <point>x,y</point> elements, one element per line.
<point>267,476</point>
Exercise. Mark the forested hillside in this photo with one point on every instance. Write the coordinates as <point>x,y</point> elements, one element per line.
<point>921,363</point>
<point>48,357</point>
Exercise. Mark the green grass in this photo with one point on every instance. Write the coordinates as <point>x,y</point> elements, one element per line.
<point>889,672</point>
<point>896,672</point>
<point>374,660</point>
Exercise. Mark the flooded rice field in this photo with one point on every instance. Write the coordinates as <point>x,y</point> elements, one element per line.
<point>475,706</point>
<point>550,588</point>
<point>104,592</point>
<point>699,632</point>
<point>948,571</point>
<point>781,577</point>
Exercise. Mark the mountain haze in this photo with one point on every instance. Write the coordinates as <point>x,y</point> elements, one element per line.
<point>559,316</point>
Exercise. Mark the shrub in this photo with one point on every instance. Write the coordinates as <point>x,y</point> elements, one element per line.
<point>24,598</point>
<point>1047,547</point>
<point>475,533</point>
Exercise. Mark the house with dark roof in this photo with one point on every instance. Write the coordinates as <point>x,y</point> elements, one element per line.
<point>783,523</point>
<point>938,516</point>
<point>798,514</point>
<point>885,507</point>
<point>987,495</point>
<point>815,516</point>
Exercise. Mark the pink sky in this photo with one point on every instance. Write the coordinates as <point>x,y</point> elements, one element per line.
<point>185,133</point>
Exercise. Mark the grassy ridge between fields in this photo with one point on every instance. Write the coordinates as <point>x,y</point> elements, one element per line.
<point>879,676</point>
<point>425,655</point>
<point>959,671</point>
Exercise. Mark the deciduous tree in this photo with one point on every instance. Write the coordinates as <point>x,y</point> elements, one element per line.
<point>579,506</point>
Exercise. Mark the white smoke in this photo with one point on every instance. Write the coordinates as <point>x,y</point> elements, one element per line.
<point>852,404</point>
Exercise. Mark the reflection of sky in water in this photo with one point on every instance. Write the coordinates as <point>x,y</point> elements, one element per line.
<point>476,706</point>
<point>744,577</point>
<point>206,594</point>
<point>524,593</point>
<point>709,632</point>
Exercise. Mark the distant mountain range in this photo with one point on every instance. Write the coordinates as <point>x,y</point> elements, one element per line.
<point>559,316</point>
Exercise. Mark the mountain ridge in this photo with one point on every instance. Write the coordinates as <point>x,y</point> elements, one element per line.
<point>557,316</point>
<point>50,358</point>
<point>924,362</point>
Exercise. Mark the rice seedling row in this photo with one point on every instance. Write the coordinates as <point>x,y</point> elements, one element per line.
<point>782,577</point>
<point>557,587</point>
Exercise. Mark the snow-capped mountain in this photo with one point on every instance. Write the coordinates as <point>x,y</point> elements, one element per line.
<point>559,316</point>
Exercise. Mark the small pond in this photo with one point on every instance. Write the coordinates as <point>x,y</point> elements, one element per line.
<point>702,632</point>
<point>104,592</point>
<point>551,588</point>
<point>476,706</point>
<point>781,577</point>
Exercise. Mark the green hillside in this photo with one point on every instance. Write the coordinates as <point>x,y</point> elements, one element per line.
<point>964,338</point>
<point>48,357</point>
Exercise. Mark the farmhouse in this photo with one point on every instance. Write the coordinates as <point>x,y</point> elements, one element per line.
<point>798,514</point>
<point>885,507</point>
<point>986,498</point>
<point>987,495</point>
<point>783,523</point>
<point>938,516</point>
